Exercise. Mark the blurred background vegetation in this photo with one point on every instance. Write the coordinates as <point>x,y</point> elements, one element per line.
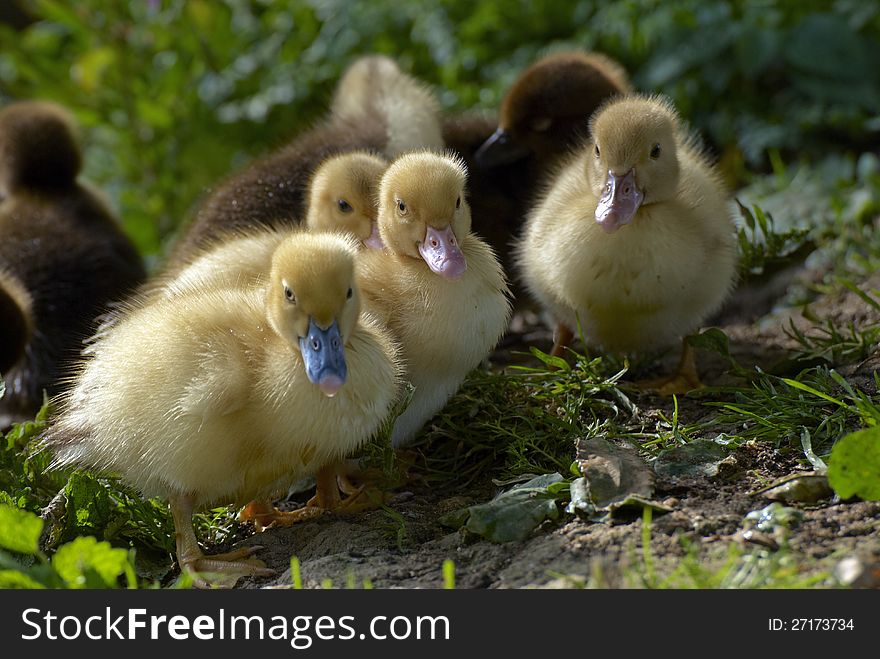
<point>175,94</point>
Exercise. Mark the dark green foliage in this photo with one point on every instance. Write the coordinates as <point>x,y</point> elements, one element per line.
<point>176,94</point>
<point>762,247</point>
<point>524,421</point>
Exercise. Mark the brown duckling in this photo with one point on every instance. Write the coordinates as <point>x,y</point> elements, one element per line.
<point>634,238</point>
<point>546,110</point>
<point>437,286</point>
<point>63,257</point>
<point>543,116</point>
<point>228,395</point>
<point>272,191</point>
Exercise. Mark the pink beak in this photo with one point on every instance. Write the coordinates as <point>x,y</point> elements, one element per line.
<point>442,254</point>
<point>375,240</point>
<point>330,385</point>
<point>619,202</point>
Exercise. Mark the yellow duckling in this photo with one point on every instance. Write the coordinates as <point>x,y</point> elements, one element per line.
<point>342,198</point>
<point>374,89</point>
<point>438,287</point>
<point>225,395</point>
<point>634,237</point>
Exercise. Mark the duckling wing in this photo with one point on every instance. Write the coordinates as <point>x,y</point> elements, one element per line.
<point>219,384</point>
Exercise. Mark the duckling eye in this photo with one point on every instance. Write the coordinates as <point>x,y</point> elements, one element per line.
<point>458,203</point>
<point>348,294</point>
<point>655,151</point>
<point>401,206</point>
<point>597,150</point>
<point>288,294</point>
<point>344,206</point>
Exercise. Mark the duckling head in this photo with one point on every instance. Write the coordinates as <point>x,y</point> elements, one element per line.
<point>549,104</point>
<point>423,212</point>
<point>38,147</point>
<point>313,302</point>
<point>342,196</point>
<point>634,159</point>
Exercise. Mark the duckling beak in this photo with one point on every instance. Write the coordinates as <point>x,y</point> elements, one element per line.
<point>324,357</point>
<point>442,254</point>
<point>499,149</point>
<point>619,202</point>
<point>375,240</point>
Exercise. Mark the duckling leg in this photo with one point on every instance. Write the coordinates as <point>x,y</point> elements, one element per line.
<point>331,480</point>
<point>263,514</point>
<point>191,558</point>
<point>684,379</point>
<point>561,338</point>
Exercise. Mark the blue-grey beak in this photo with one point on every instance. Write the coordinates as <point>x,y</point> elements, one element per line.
<point>324,357</point>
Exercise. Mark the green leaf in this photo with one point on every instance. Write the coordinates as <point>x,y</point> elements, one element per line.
<point>87,563</point>
<point>712,339</point>
<point>550,361</point>
<point>88,71</point>
<point>18,580</point>
<point>854,465</point>
<point>89,499</point>
<point>825,46</point>
<point>514,514</point>
<point>746,215</point>
<point>698,458</point>
<point>455,519</point>
<point>19,530</point>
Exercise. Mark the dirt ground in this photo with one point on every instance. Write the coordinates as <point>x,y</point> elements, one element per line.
<point>707,511</point>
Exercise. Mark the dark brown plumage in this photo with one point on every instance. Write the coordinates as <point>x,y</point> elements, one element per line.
<point>271,192</point>
<point>498,195</point>
<point>63,257</point>
<point>548,106</point>
<point>376,107</point>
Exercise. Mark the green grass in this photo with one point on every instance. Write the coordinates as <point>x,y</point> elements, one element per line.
<point>523,420</point>
<point>731,565</point>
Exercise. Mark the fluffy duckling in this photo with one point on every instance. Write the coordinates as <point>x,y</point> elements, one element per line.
<point>63,257</point>
<point>374,86</point>
<point>227,395</point>
<point>634,237</point>
<point>272,191</point>
<point>437,286</point>
<point>549,105</point>
<point>543,116</point>
<point>342,198</point>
